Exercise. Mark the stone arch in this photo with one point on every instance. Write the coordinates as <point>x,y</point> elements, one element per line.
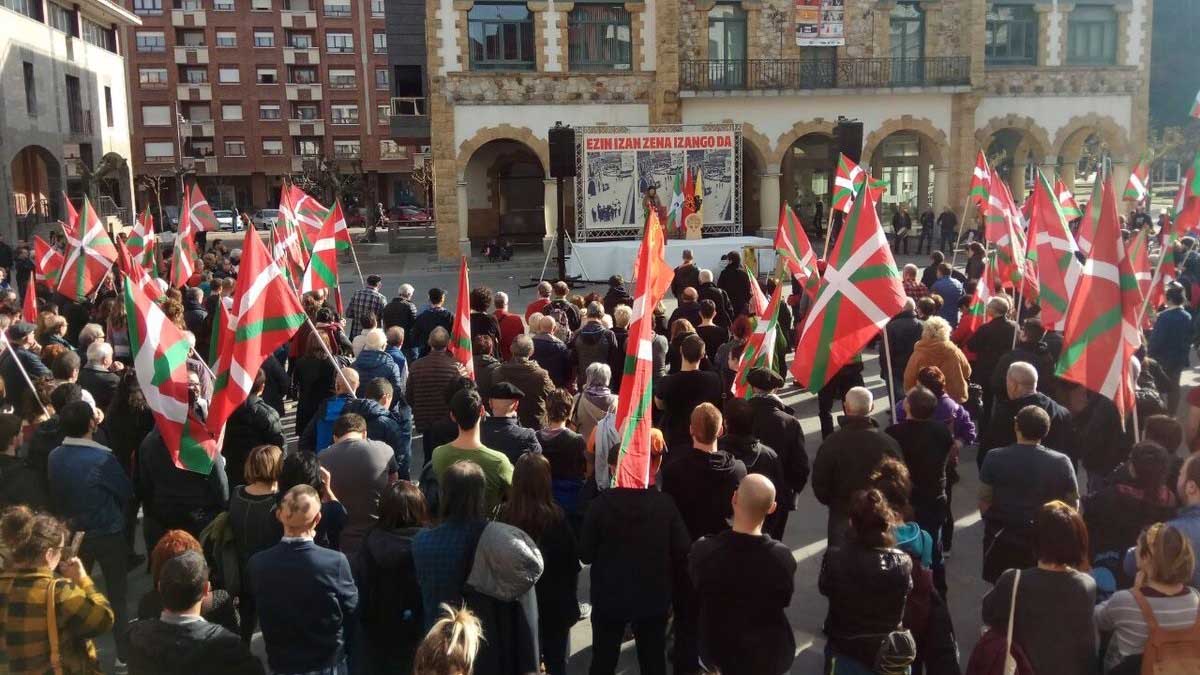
<point>1032,133</point>
<point>505,197</point>
<point>503,132</point>
<point>921,125</point>
<point>1070,138</point>
<point>35,183</point>
<point>799,130</point>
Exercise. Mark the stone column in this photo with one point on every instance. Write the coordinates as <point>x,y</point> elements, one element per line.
<point>1016,180</point>
<point>768,202</point>
<point>550,212</point>
<point>464,241</point>
<point>941,189</point>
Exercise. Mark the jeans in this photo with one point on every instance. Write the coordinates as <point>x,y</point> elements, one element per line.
<point>112,553</point>
<point>651,637</point>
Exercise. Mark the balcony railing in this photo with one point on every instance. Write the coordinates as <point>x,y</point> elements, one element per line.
<point>805,74</point>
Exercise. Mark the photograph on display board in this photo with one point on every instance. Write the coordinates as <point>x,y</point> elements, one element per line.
<point>612,190</point>
<point>820,23</point>
<point>657,169</point>
<point>716,166</point>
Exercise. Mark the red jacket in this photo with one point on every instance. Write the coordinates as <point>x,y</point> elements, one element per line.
<point>511,326</point>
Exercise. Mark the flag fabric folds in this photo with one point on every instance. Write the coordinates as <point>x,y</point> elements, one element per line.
<point>675,211</point>
<point>1138,187</point>
<point>796,251</point>
<point>759,351</point>
<point>1052,252</point>
<point>89,259</point>
<point>322,270</point>
<point>981,182</point>
<point>976,312</point>
<point>460,335</point>
<point>47,262</point>
<point>199,213</point>
<point>1066,199</point>
<point>1091,216</point>
<point>29,309</point>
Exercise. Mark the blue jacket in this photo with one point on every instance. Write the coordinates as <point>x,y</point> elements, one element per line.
<point>951,291</point>
<point>386,426</point>
<point>88,487</point>
<point>371,364</point>
<point>1170,339</point>
<point>402,363</point>
<point>306,594</point>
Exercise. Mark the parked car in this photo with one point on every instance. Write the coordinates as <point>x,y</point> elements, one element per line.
<point>167,220</point>
<point>356,217</point>
<point>227,220</point>
<point>408,213</point>
<point>265,219</point>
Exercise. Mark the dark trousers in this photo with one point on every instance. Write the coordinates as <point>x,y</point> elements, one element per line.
<point>1006,547</point>
<point>948,241</point>
<point>1173,391</point>
<point>651,637</point>
<point>112,554</point>
<point>685,651</point>
<point>925,240</point>
<point>901,241</point>
<point>948,525</point>
<point>825,399</point>
<point>776,523</point>
<point>556,643</point>
<point>931,518</point>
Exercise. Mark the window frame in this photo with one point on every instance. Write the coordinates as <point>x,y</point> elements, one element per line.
<point>379,46</point>
<point>300,143</point>
<point>155,83</point>
<point>241,112</point>
<point>524,33</point>
<point>238,141</point>
<point>263,33</point>
<point>158,158</point>
<point>278,112</point>
<point>583,29</point>
<point>357,154</point>
<point>140,47</point>
<point>62,18</point>
<point>260,5</point>
<point>334,119</point>
<point>386,84</point>
<point>1107,29</point>
<point>224,6</point>
<point>335,81</point>
<point>185,75</point>
<point>166,112</point>
<point>337,13</point>
<point>314,75</point>
<point>378,9</point>
<point>346,40</point>
<point>273,141</point>
<point>217,35</point>
<point>258,72</point>
<point>154,8</point>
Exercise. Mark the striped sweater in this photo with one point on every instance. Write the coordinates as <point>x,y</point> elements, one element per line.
<point>1121,615</point>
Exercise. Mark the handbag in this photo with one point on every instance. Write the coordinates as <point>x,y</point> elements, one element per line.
<point>52,628</point>
<point>1010,662</point>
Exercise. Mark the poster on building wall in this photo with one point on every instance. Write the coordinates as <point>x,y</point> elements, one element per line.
<point>819,23</point>
<point>620,168</point>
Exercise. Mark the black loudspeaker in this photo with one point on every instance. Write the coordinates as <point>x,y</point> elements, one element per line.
<point>848,139</point>
<point>562,151</point>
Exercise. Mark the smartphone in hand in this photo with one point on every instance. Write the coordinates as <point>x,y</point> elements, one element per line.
<point>72,549</point>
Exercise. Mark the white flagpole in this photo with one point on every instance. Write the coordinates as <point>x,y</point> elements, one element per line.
<point>1163,252</point>
<point>961,224</point>
<point>328,353</point>
<point>24,373</point>
<point>361,280</point>
<point>887,355</point>
<point>829,231</point>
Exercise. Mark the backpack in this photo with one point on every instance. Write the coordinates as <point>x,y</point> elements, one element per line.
<point>1169,652</point>
<point>997,653</point>
<point>333,410</point>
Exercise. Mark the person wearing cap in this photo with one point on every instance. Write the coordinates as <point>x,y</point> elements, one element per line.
<point>686,275</point>
<point>502,430</point>
<point>366,301</point>
<point>20,343</point>
<point>776,427</point>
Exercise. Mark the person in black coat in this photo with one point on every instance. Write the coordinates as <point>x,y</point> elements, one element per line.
<point>401,311</point>
<point>433,316</point>
<point>616,295</point>
<point>688,308</point>
<point>742,624</point>
<point>903,332</point>
<point>96,377</point>
<point>708,290</point>
<point>252,424</point>
<point>20,341</point>
<point>278,383</point>
<point>1031,349</point>
<point>175,498</point>
<point>686,275</point>
<point>990,343</point>
<point>483,323</point>
<point>735,281</point>
<point>314,375</point>
<point>193,310</point>
<point>776,426</point>
<point>1022,391</point>
<point>502,431</point>
<point>383,424</point>
<point>741,444</point>
<point>180,641</point>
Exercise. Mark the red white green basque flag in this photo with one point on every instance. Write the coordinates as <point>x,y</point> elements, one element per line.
<point>47,261</point>
<point>136,274</point>
<point>71,226</point>
<point>141,236</point>
<point>160,355</point>
<point>88,261</point>
<point>1066,199</point>
<point>1101,332</point>
<point>794,249</point>
<point>322,271</point>
<point>265,314</point>
<point>1091,217</point>
<point>976,313</point>
<point>845,183</point>
<point>183,260</point>
<point>1138,187</point>
<point>981,182</point>
<point>860,292</point>
<point>310,214</point>
<point>1002,225</point>
<point>1138,253</point>
<point>460,336</point>
<point>653,277</point>
<point>1187,201</point>
<point>1052,251</point>
<point>200,214</point>
<point>760,346</point>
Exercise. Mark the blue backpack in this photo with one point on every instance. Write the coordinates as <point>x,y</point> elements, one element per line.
<point>333,410</point>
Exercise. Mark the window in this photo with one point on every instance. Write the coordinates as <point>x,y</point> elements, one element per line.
<point>306,112</point>
<point>229,75</point>
<point>223,5</point>
<point>907,31</point>
<point>189,5</point>
<point>1092,35</point>
<point>347,148</point>
<point>260,5</point>
<point>383,113</point>
<point>377,9</point>
<point>297,5</point>
<point>226,38</point>
<point>379,42</point>
<point>599,37</point>
<point>264,38</point>
<point>727,44</point>
<point>191,38</point>
<point>147,7</point>
<point>150,41</point>
<point>303,75</point>
<point>501,37</point>
<point>337,7</point>
<point>195,113</point>
<point>160,151</point>
<point>342,78</point>
<point>1012,36</point>
<point>75,116</point>
<point>101,36</point>
<point>151,77</point>
<point>389,149</point>
<point>193,74</point>
<point>382,79</point>
<point>30,8</point>
<point>30,89</point>
<point>199,148</point>
<point>235,147</point>
<point>156,115</point>
<point>108,107</point>
<point>268,111</point>
<point>272,146</point>
<point>300,40</point>
<point>231,112</point>
<point>62,18</point>
<point>307,147</point>
<point>339,43</point>
<point>345,113</point>
<point>266,76</point>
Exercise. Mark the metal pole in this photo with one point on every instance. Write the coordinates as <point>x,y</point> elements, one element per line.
<point>961,224</point>
<point>24,373</point>
<point>887,355</point>
<point>559,233</point>
<point>828,232</point>
<point>328,353</point>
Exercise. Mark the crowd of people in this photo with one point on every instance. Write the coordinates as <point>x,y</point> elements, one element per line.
<point>348,552</point>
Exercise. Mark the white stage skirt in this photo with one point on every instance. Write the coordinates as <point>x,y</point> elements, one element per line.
<point>598,260</point>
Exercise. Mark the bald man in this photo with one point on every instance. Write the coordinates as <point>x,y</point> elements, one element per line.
<point>1021,383</point>
<point>742,624</point>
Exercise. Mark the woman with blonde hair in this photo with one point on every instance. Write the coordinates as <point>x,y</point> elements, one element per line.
<point>449,648</point>
<point>935,349</point>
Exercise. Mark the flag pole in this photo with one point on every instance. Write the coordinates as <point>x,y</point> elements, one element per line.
<point>1163,252</point>
<point>361,280</point>
<point>24,373</point>
<point>328,353</point>
<point>887,355</point>
<point>828,232</point>
<point>962,222</point>
<point>1020,290</point>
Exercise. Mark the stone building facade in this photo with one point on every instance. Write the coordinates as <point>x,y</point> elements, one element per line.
<point>1034,83</point>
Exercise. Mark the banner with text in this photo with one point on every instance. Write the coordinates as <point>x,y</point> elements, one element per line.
<point>819,23</point>
<point>619,170</point>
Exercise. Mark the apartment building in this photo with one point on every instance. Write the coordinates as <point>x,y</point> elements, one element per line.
<point>1034,83</point>
<point>245,92</point>
<point>64,110</point>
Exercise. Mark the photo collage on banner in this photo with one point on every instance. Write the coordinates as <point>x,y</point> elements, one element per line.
<point>820,23</point>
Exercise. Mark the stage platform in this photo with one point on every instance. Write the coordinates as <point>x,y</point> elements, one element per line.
<point>599,260</point>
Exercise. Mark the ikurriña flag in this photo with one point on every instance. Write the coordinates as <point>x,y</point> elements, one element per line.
<point>1052,249</point>
<point>47,262</point>
<point>460,336</point>
<point>796,251</point>
<point>89,260</point>
<point>759,350</point>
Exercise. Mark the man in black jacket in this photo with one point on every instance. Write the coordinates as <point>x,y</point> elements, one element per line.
<point>903,331</point>
<point>20,341</point>
<point>992,341</point>
<point>688,308</point>
<point>502,431</point>
<point>616,295</point>
<point>401,311</point>
<point>434,316</point>
<point>1021,386</point>
<point>686,275</point>
<point>846,460</point>
<point>383,423</point>
<point>741,442</point>
<point>193,309</point>
<point>742,625</point>
<point>776,426</point>
<point>1031,349</point>
<point>708,290</point>
<point>179,640</point>
<point>252,424</point>
<point>97,377</point>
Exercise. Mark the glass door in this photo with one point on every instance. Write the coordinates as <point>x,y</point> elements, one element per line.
<point>907,28</point>
<point>727,46</point>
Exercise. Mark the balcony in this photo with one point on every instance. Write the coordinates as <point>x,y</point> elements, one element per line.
<point>408,106</point>
<point>291,19</point>
<point>305,163</point>
<point>205,129</point>
<point>303,92</point>
<point>193,92</point>
<point>777,75</point>
<point>184,18</point>
<point>201,165</point>
<point>295,56</point>
<point>306,127</point>
<point>194,56</point>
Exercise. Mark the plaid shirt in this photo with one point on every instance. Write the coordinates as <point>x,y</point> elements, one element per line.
<point>365,301</point>
<point>915,289</point>
<point>82,612</point>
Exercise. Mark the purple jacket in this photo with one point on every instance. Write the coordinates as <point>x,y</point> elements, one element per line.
<point>951,413</point>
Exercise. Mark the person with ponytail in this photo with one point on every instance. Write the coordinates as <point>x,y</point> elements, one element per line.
<point>34,545</point>
<point>451,645</point>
